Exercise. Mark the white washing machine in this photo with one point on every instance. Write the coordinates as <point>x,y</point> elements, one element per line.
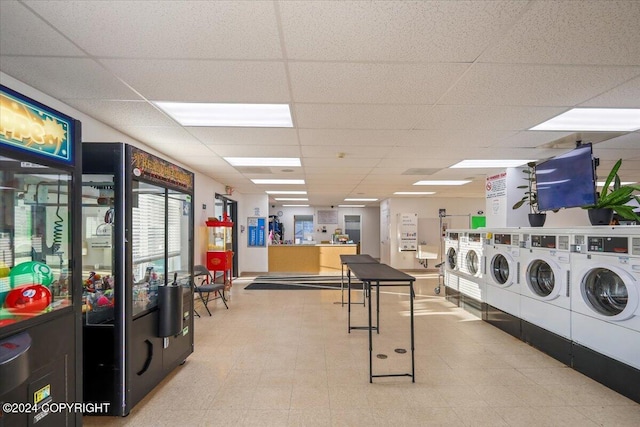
<point>471,280</point>
<point>452,250</point>
<point>605,292</point>
<point>501,264</point>
<point>544,283</point>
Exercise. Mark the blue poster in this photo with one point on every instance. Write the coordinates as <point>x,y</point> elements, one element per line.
<point>256,231</point>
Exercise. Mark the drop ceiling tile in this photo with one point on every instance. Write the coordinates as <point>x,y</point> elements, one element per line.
<point>572,32</point>
<point>67,77</point>
<point>530,139</point>
<point>536,85</point>
<point>161,135</point>
<point>478,117</point>
<point>317,162</point>
<point>183,150</point>
<point>371,83</point>
<point>394,31</point>
<point>204,81</point>
<point>351,116</point>
<point>626,95</point>
<point>333,152</point>
<point>361,138</point>
<point>244,136</point>
<point>438,139</point>
<point>161,29</point>
<point>630,141</point>
<point>23,33</point>
<point>256,151</point>
<point>336,169</point>
<point>121,113</point>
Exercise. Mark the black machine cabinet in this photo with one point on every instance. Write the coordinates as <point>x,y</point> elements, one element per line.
<point>137,230</point>
<point>40,277</point>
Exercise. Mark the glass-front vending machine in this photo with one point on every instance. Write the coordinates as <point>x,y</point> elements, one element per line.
<point>40,291</point>
<point>137,243</point>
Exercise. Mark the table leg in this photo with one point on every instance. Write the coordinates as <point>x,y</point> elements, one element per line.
<point>377,307</point>
<point>349,299</point>
<point>368,285</point>
<point>342,283</point>
<point>413,369</point>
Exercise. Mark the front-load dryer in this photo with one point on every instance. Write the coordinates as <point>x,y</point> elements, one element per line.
<point>471,281</point>
<point>500,271</point>
<point>545,301</point>
<point>606,295</point>
<point>544,282</point>
<point>605,307</point>
<point>452,250</point>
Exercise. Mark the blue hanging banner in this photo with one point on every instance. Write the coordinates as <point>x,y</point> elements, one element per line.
<point>256,231</point>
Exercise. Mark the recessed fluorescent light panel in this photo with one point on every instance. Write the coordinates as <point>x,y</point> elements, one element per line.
<point>263,161</point>
<point>594,119</point>
<point>295,206</point>
<point>414,193</point>
<point>233,115</point>
<point>601,183</point>
<point>290,193</point>
<point>292,199</point>
<point>360,200</point>
<point>351,206</point>
<point>443,182</point>
<point>278,181</point>
<point>489,163</point>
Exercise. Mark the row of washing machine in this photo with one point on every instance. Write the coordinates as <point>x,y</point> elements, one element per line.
<point>573,293</point>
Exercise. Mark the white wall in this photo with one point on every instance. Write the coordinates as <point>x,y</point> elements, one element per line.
<point>427,208</point>
<point>255,259</point>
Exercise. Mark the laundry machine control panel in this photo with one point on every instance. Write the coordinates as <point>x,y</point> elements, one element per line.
<point>502,239</point>
<point>474,237</point>
<point>548,242</point>
<point>618,245</point>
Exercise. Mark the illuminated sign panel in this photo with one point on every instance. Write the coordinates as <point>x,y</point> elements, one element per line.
<point>29,126</point>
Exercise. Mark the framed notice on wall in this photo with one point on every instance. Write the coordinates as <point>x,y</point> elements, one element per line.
<point>407,232</point>
<point>256,231</point>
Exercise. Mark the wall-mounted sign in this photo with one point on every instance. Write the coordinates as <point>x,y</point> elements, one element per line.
<point>256,231</point>
<point>407,232</point>
<point>327,216</point>
<point>156,169</point>
<point>496,185</point>
<point>30,126</point>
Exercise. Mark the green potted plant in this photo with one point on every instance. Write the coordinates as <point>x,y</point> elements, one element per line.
<point>614,200</point>
<point>530,197</point>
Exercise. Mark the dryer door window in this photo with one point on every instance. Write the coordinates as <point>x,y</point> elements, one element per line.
<point>605,291</point>
<point>540,278</point>
<point>500,269</point>
<point>451,258</point>
<point>472,262</point>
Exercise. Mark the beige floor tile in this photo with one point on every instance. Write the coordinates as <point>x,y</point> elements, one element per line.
<point>285,358</point>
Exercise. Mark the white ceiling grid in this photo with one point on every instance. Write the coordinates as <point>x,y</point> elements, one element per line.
<point>387,86</point>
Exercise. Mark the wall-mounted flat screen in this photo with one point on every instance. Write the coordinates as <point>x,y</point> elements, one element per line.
<point>567,181</point>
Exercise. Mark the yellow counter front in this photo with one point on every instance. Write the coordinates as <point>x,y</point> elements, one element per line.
<point>309,259</point>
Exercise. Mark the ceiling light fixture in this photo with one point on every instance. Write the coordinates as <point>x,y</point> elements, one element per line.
<point>601,183</point>
<point>292,199</point>
<point>233,115</point>
<point>594,119</point>
<point>278,181</point>
<point>442,182</point>
<point>497,163</point>
<point>360,200</point>
<point>351,206</point>
<point>295,206</point>
<point>263,161</point>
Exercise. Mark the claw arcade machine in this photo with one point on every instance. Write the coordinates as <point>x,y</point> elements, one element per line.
<point>40,296</point>
<point>137,243</point>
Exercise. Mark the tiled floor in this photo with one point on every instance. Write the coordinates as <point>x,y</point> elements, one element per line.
<point>284,358</point>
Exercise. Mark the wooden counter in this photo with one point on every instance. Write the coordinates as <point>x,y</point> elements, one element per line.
<point>309,259</point>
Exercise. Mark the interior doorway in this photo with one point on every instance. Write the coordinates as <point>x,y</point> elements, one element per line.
<point>224,205</point>
<point>353,227</point>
